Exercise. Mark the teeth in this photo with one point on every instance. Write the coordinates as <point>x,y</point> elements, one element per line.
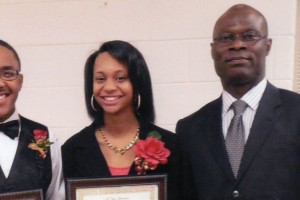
<point>2,96</point>
<point>110,98</point>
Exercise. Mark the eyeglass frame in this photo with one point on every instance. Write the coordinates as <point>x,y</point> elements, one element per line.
<point>17,73</point>
<point>221,40</point>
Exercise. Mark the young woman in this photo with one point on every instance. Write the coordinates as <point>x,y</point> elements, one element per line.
<point>119,98</point>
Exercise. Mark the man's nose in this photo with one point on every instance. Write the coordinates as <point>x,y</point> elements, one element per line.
<point>238,43</point>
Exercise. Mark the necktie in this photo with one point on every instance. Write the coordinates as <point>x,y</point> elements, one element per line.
<point>235,138</point>
<point>10,129</point>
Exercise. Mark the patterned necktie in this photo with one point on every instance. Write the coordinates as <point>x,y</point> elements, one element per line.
<point>235,138</point>
<point>10,129</point>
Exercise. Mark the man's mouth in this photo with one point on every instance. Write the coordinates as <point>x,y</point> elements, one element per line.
<point>3,96</point>
<point>235,59</point>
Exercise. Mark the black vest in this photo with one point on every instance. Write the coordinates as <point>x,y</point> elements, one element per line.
<point>28,170</point>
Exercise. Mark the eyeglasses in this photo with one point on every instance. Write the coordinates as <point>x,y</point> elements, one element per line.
<point>248,37</point>
<point>9,74</point>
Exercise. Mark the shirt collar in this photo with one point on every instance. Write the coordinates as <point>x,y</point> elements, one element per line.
<point>252,97</point>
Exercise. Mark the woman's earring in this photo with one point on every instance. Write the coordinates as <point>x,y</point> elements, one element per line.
<point>138,101</point>
<point>92,103</point>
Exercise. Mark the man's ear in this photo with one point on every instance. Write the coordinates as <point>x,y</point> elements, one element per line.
<point>20,81</point>
<point>269,45</point>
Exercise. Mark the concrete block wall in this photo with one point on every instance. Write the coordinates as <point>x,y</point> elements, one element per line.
<point>54,38</point>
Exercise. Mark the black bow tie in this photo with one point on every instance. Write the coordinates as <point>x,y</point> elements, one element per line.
<point>11,129</point>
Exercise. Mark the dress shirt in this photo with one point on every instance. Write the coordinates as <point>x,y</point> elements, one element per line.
<point>252,98</point>
<point>8,148</point>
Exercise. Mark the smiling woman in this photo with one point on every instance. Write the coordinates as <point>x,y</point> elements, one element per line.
<point>112,89</point>
<point>118,95</point>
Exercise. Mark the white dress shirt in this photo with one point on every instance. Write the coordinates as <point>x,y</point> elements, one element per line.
<point>252,98</point>
<point>8,148</point>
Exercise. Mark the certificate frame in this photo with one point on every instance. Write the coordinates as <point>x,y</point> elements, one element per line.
<point>23,195</point>
<point>153,186</point>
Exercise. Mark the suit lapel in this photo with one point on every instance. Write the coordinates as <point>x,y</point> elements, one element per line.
<point>2,176</point>
<point>24,140</point>
<point>216,138</point>
<point>266,116</point>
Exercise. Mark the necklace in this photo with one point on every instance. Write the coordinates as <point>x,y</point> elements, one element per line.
<point>117,149</point>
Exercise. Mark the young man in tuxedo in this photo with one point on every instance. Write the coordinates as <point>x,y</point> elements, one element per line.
<point>23,164</point>
<point>253,154</point>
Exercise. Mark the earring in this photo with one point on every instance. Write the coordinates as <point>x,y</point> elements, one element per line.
<point>138,101</point>
<point>92,103</point>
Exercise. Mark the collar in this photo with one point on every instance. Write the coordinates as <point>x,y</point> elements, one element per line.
<point>252,97</point>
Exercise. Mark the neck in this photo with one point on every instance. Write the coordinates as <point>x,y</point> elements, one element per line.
<point>6,117</point>
<point>120,124</point>
<point>238,88</point>
<point>237,92</point>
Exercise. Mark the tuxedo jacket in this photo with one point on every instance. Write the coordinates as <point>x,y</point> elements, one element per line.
<point>82,158</point>
<point>270,166</point>
<point>28,171</point>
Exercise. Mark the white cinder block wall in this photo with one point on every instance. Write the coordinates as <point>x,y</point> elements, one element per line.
<point>54,38</point>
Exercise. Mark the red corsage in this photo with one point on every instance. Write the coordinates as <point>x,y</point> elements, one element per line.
<point>40,142</point>
<point>150,153</point>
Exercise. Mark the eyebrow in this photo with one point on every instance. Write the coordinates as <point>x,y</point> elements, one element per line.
<point>7,67</point>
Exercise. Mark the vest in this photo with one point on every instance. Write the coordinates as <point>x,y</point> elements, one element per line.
<point>28,171</point>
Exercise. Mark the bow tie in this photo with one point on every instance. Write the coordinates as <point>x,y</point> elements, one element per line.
<point>10,129</point>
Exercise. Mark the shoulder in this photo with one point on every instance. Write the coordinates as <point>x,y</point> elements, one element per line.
<point>203,114</point>
<point>159,129</point>
<point>149,127</point>
<point>81,138</point>
<point>168,137</point>
<point>31,123</point>
<point>287,98</point>
<point>290,102</point>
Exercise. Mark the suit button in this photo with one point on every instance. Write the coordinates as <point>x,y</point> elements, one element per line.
<point>235,193</point>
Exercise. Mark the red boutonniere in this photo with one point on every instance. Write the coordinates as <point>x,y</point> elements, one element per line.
<point>40,142</point>
<point>150,153</point>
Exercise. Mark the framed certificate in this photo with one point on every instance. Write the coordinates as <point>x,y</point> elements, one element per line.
<point>151,187</point>
<point>24,195</point>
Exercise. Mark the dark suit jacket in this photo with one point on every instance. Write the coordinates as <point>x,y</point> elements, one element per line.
<point>270,167</point>
<point>82,157</point>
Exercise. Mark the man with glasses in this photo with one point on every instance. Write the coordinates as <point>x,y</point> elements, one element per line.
<point>24,164</point>
<point>246,143</point>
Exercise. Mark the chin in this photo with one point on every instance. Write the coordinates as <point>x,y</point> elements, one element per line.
<point>238,81</point>
<point>5,115</point>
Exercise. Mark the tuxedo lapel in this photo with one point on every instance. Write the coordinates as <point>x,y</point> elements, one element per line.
<point>2,175</point>
<point>266,116</point>
<point>216,138</point>
<point>22,154</point>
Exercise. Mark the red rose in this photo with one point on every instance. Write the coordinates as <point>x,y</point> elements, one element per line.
<point>152,151</point>
<point>40,134</point>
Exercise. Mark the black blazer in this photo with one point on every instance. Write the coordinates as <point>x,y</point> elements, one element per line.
<point>270,167</point>
<point>82,157</point>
